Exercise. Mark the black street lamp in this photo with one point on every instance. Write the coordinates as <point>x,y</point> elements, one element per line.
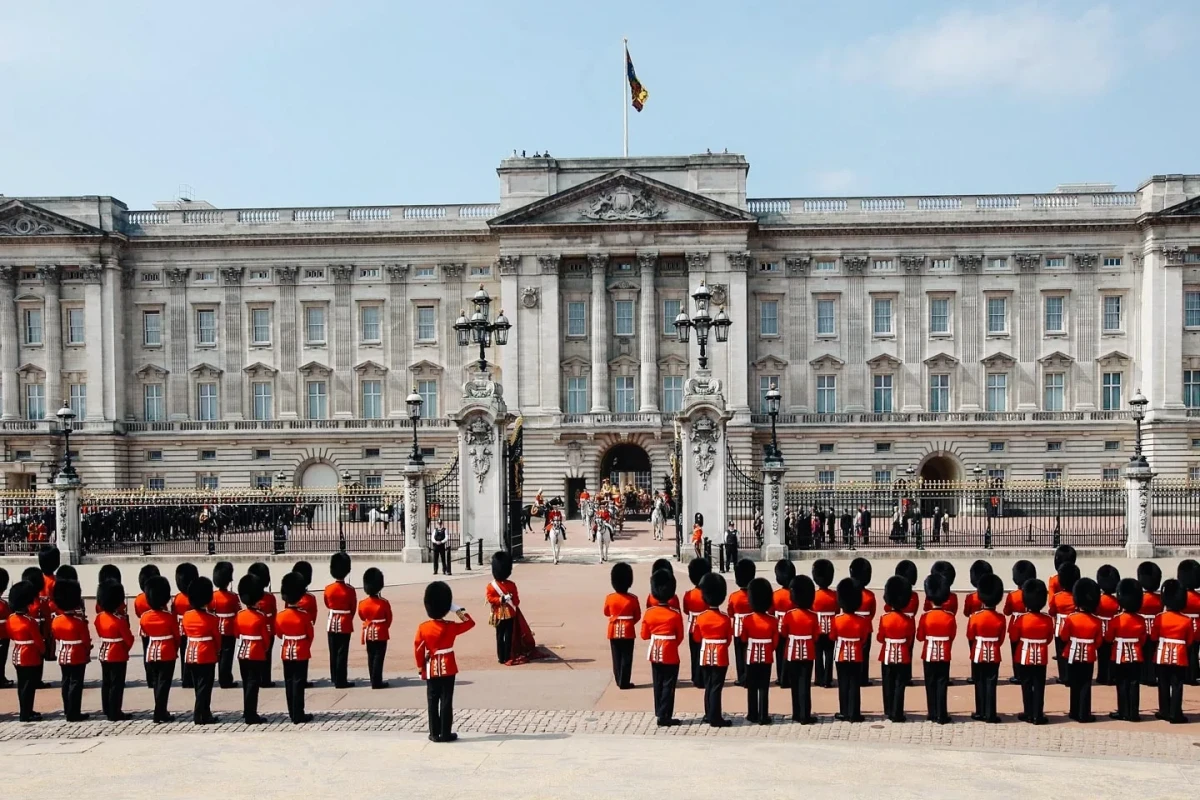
<point>415,402</point>
<point>987,507</point>
<point>65,416</point>
<point>702,322</point>
<point>918,530</point>
<point>345,476</point>
<point>773,399</point>
<point>479,329</point>
<point>1138,403</point>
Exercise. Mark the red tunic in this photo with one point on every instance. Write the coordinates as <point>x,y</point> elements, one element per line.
<point>1033,632</point>
<point>1191,610</point>
<point>252,634</point>
<point>308,604</point>
<point>1014,603</point>
<point>202,630</point>
<point>341,600</point>
<point>672,603</point>
<point>951,604</point>
<point>910,610</point>
<point>760,632</point>
<point>5,613</point>
<point>295,628</point>
<point>1082,634</point>
<point>896,632</point>
<point>115,637</point>
<point>937,630</point>
<point>693,606</point>
<point>433,646</point>
<point>714,632</point>
<point>1108,608</point>
<point>73,638</point>
<point>1173,632</point>
<point>825,606</point>
<point>27,643</point>
<point>1127,634</point>
<point>140,605</point>
<point>162,632</point>
<point>868,607</point>
<point>270,607</point>
<point>1152,606</point>
<point>663,628</point>
<point>850,632</point>
<point>781,604</point>
<point>376,616</point>
<point>502,610</point>
<point>1062,605</point>
<point>623,612</point>
<point>122,610</point>
<point>1053,587</point>
<point>738,609</point>
<point>225,607</point>
<point>799,630</point>
<point>971,604</point>
<point>985,634</point>
<point>180,606</point>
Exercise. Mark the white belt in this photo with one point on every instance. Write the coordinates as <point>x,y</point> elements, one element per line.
<point>445,652</point>
<point>1122,644</point>
<point>1158,657</point>
<point>737,623</point>
<point>159,638</point>
<point>200,639</point>
<point>980,642</point>
<point>937,642</point>
<point>23,642</point>
<point>842,641</point>
<point>78,641</point>
<point>1026,644</point>
<point>862,613</point>
<point>888,645</point>
<point>1189,616</point>
<point>334,611</point>
<point>622,617</point>
<point>249,638</point>
<point>112,641</point>
<point>1076,642</point>
<point>225,616</point>
<point>287,638</point>
<point>655,638</point>
<point>377,621</point>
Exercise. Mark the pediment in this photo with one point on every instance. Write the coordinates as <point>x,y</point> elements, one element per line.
<point>204,368</point>
<point>770,363</point>
<point>1056,359</point>
<point>671,360</point>
<point>624,360</point>
<point>576,367</point>
<point>1114,358</point>
<point>1188,208</point>
<point>826,362</point>
<point>941,361</point>
<point>152,371</point>
<point>884,361</point>
<point>425,367</point>
<point>621,197</point>
<point>259,368</point>
<point>30,370</point>
<point>999,360</point>
<point>315,368</point>
<point>19,218</point>
<point>369,367</point>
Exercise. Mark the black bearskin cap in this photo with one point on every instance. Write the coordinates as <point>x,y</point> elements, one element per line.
<point>501,565</point>
<point>822,572</point>
<point>21,595</point>
<point>803,591</point>
<point>785,571</point>
<point>978,570</point>
<point>68,596</point>
<point>761,595</point>
<point>147,572</point>
<point>222,574</point>
<point>991,590</point>
<point>1149,575</point>
<point>109,572</point>
<point>262,572</point>
<point>860,570</point>
<point>661,563</point>
<point>662,585</point>
<point>250,590</point>
<point>185,573</point>
<point>712,589</point>
<point>36,577</point>
<point>1022,572</point>
<point>1087,595</point>
<point>621,577</point>
<point>1068,576</point>
<point>897,592</point>
<point>1107,578</point>
<point>697,569</point>
<point>438,599</point>
<point>304,570</point>
<point>1130,595</point>
<point>3,579</point>
<point>937,589</point>
<point>110,596</point>
<point>743,572</point>
<point>49,559</point>
<point>907,570</point>
<point>1188,573</point>
<point>1034,593</point>
<point>158,592</point>
<point>292,587</point>
<point>66,573</point>
<point>1063,554</point>
<point>946,570</point>
<point>200,593</point>
<point>339,566</point>
<point>849,594</point>
<point>1174,595</point>
<point>373,581</point>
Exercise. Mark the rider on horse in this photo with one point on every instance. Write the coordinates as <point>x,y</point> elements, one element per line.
<point>554,514</point>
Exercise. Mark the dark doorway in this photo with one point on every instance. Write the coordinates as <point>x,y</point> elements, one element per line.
<point>938,475</point>
<point>574,487</point>
<point>626,464</point>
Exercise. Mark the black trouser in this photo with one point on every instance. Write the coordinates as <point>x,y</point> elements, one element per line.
<point>1033,691</point>
<point>895,681</point>
<point>664,678</point>
<point>781,662</point>
<point>225,663</point>
<point>731,555</point>
<point>252,672</point>
<point>1149,650</point>
<point>866,534</point>
<point>758,693</point>
<point>266,663</point>
<point>1079,679</point>
<point>1129,689</point>
<point>28,679</point>
<point>112,687</point>
<point>937,684</point>
<point>1170,691</point>
<point>824,666</point>
<point>202,682</point>
<point>146,661</point>
<point>295,675</point>
<point>339,655</point>
<point>1104,665</point>
<point>694,649</point>
<point>72,689</point>
<point>440,694</point>
<point>799,675</point>
<point>441,557</point>
<point>849,693</point>
<point>1193,668</point>
<point>376,651</point>
<point>3,659</point>
<point>714,683</point>
<point>622,660</point>
<point>504,637</point>
<point>1016,662</point>
<point>1060,646</point>
<point>865,675</point>
<point>185,669</point>
<point>739,661</point>
<point>159,676</point>
<point>986,677</point>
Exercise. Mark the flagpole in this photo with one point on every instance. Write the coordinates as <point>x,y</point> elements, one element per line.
<point>624,105</point>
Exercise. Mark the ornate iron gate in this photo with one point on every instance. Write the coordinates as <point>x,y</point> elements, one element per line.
<point>677,490</point>
<point>743,504</point>
<point>442,503</point>
<point>514,532</point>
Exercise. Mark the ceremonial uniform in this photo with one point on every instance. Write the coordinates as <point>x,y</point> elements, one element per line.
<point>1014,607</point>
<point>781,604</point>
<point>269,606</point>
<point>180,606</point>
<point>985,637</point>
<point>74,643</point>
<point>45,614</point>
<point>140,607</point>
<point>116,640</point>
<point>738,609</point>
<point>693,607</point>
<point>623,612</point>
<point>713,630</point>
<point>759,636</point>
<point>162,647</point>
<point>503,615</point>
<point>663,628</point>
<point>850,634</point>
<point>1105,612</point>
<point>1081,634</point>
<point>253,633</point>
<point>1062,605</point>
<point>308,604</point>
<point>433,650</point>
<point>341,600</point>
<point>5,613</point>
<point>950,605</point>
<point>294,629</point>
<point>896,632</point>
<point>867,612</point>
<point>1172,631</point>
<point>798,632</point>
<point>1191,611</point>
<point>376,616</point>
<point>937,629</point>
<point>28,649</point>
<point>225,607</point>
<point>1032,634</point>
<point>1152,606</point>
<point>825,607</point>
<point>201,652</point>
<point>1125,636</point>
<point>910,610</point>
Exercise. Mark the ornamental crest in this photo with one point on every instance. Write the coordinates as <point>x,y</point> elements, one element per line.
<point>529,297</point>
<point>625,203</point>
<point>705,434</point>
<point>479,436</point>
<point>24,226</point>
<point>720,293</point>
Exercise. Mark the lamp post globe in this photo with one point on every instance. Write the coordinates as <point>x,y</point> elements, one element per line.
<point>415,402</point>
<point>1138,404</point>
<point>66,415</point>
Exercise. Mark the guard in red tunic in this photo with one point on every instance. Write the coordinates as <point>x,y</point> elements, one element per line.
<point>308,601</point>
<point>860,570</point>
<point>141,606</point>
<point>1033,633</point>
<point>253,633</point>
<point>202,630</point>
<point>937,630</point>
<point>825,605</point>
<point>1173,631</point>
<point>781,604</point>
<point>738,610</point>
<point>376,614</point>
<point>947,571</point>
<point>760,633</point>
<point>1062,605</point>
<point>985,637</point>
<point>74,646</point>
<point>1081,633</point>
<point>850,632</point>
<point>342,601</point>
<point>25,631</point>
<point>1149,575</point>
<point>294,629</point>
<point>1014,606</point>
<point>433,649</point>
<point>1063,554</point>
<point>1188,573</point>
<point>662,627</point>
<point>225,607</point>
<point>896,633</point>
<point>651,600</point>
<point>693,607</point>
<point>116,640</point>
<point>5,613</point>
<point>1125,637</point>
<point>49,560</point>
<point>185,573</point>
<point>713,631</point>
<point>971,604</point>
<point>623,612</point>
<point>110,573</point>
<point>907,570</point>
<point>1107,578</point>
<point>161,630</point>
<point>798,631</point>
<point>270,607</point>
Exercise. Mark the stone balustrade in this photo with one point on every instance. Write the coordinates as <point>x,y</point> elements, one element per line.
<point>1106,204</point>
<point>153,223</point>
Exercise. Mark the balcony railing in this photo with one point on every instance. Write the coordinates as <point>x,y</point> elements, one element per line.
<point>54,426</point>
<point>153,223</point>
<point>638,420</point>
<point>962,417</point>
<point>1100,204</point>
<point>284,425</point>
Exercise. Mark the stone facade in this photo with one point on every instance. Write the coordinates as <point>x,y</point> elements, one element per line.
<point>208,345</point>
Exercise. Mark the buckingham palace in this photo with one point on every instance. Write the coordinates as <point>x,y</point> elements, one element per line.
<point>205,347</point>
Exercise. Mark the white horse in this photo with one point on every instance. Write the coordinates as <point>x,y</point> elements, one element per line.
<point>587,510</point>
<point>658,519</point>
<point>604,537</point>
<point>557,534</point>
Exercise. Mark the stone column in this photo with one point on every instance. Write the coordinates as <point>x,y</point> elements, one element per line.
<point>482,420</point>
<point>1087,333</point>
<point>648,334</point>
<point>702,425</point>
<point>178,401</point>
<point>109,316</point>
<point>1160,344</point>
<point>344,331</point>
<point>737,352</point>
<point>416,534</point>
<point>855,393</point>
<point>100,373</point>
<point>912,335</point>
<point>289,342</point>
<point>66,510</point>
<point>969,395</point>
<point>774,536</point>
<point>551,336</point>
<point>1029,305</point>
<point>10,343</point>
<point>52,338</point>
<point>398,323</point>
<point>234,399</point>
<point>796,324</point>
<point>509,268</point>
<point>598,262</point>
<point>1138,543</point>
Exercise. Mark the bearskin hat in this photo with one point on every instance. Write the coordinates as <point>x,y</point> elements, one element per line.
<point>1130,595</point>
<point>110,596</point>
<point>3,579</point>
<point>339,565</point>
<point>1034,594</point>
<point>21,595</point>
<point>158,592</point>
<point>1174,595</point>
<point>897,592</point>
<point>1107,578</point>
<point>937,589</point>
<point>147,572</point>
<point>502,565</point>
<point>662,585</point>
<point>698,519</point>
<point>185,573</point>
<point>1149,575</point>
<point>373,581</point>
<point>978,570</point>
<point>68,596</point>
<point>849,595</point>
<point>49,559</point>
<point>262,572</point>
<point>907,570</point>
<point>108,572</point>
<point>304,570</point>
<point>36,577</point>
<point>222,574</point>
<point>822,572</point>
<point>66,573</point>
<point>712,589</point>
<point>991,590</point>
<point>1063,554</point>
<point>200,592</point>
<point>1087,595</point>
<point>1023,571</point>
<point>292,587</point>
<point>761,595</point>
<point>785,571</point>
<point>946,570</point>
<point>1068,576</point>
<point>661,563</point>
<point>743,572</point>
<point>803,591</point>
<point>438,599</point>
<point>697,569</point>
<point>1188,573</point>
<point>860,570</point>
<point>621,577</point>
<point>250,590</point>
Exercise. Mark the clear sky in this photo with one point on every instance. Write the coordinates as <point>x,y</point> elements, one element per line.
<point>258,102</point>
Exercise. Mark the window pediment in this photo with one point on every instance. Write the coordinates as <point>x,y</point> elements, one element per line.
<point>576,367</point>
<point>425,369</point>
<point>770,363</point>
<point>151,371</point>
<point>31,371</point>
<point>884,361</point>
<point>260,370</point>
<point>1056,360</point>
<point>1114,359</point>
<point>315,369</point>
<point>827,362</point>
<point>623,365</point>
<point>999,360</point>
<point>1191,362</point>
<point>943,361</point>
<point>370,369</point>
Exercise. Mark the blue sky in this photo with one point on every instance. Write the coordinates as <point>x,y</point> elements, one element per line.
<point>365,102</point>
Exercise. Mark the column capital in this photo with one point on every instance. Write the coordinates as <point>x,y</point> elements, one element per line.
<point>548,263</point>
<point>177,276</point>
<point>598,263</point>
<point>969,262</point>
<point>739,262</point>
<point>647,262</point>
<point>1174,255</point>
<point>286,275</point>
<point>696,262</point>
<point>912,264</point>
<point>509,264</point>
<point>49,273</point>
<point>396,272</point>
<point>1084,261</point>
<point>854,264</point>
<point>232,275</point>
<point>91,273</point>
<point>342,272</point>
<point>798,263</point>
<point>9,274</point>
<point>1028,262</point>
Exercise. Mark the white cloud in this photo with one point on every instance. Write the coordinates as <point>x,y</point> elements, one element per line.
<point>834,181</point>
<point>1024,49</point>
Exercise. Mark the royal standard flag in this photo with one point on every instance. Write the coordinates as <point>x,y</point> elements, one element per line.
<point>636,91</point>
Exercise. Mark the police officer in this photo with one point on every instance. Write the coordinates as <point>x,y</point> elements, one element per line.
<point>440,540</point>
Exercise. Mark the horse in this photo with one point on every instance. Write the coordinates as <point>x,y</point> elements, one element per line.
<point>658,519</point>
<point>557,534</point>
<point>604,537</point>
<point>587,510</point>
<point>527,515</point>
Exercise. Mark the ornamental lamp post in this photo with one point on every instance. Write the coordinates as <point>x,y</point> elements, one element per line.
<point>702,322</point>
<point>773,399</point>
<point>1138,403</point>
<point>65,417</point>
<point>987,506</point>
<point>479,329</point>
<point>415,401</point>
<point>345,479</point>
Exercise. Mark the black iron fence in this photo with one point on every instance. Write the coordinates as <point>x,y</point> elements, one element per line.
<point>743,504</point>
<point>1175,512</point>
<point>26,520</point>
<point>442,503</point>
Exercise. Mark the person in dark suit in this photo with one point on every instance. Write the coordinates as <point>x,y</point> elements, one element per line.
<point>866,524</point>
<point>938,516</point>
<point>830,525</point>
<point>847,523</point>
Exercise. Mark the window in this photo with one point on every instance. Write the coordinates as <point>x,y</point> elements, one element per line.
<point>883,447</point>
<point>1056,262</point>
<point>995,447</point>
<point>882,316</point>
<point>33,326</point>
<point>208,483</point>
<point>1111,391</point>
<point>1112,261</point>
<point>768,266</point>
<point>883,477</point>
<point>78,401</point>
<point>576,318</point>
<point>425,272</point>
<point>372,400</point>
<point>75,330</point>
<point>765,382</point>
<point>670,312</point>
<point>206,402</point>
<point>373,480</point>
<point>314,274</point>
<point>206,276</point>
<point>1196,444</point>
<point>624,318</point>
<point>997,391</point>
<point>481,272</point>
<point>262,480</point>
<point>260,274</point>
<point>429,399</point>
<point>826,476</point>
<point>626,396</point>
<point>672,399</point>
<point>995,474</point>
<point>371,452</point>
<point>939,263</point>
<point>156,484</point>
<point>826,266</point>
<point>369,326</point>
<point>1052,475</point>
<point>206,326</point>
<point>314,324</point>
<point>1193,474</point>
<point>1112,445</point>
<point>882,265</point>
<point>881,400</point>
<point>152,402</point>
<point>428,452</point>
<point>208,455</point>
<point>1191,388</point>
<point>1054,314</point>
<point>939,394</point>
<point>825,447</point>
<point>939,315</point>
<point>317,400</point>
<point>152,328</point>
<point>826,321</point>
<point>826,394</point>
<point>154,455</point>
<point>1112,313</point>
<point>35,401</point>
<point>260,326</point>
<point>997,315</point>
<point>768,318</point>
<point>1110,473</point>
<point>262,455</point>
<point>1054,391</point>
<point>1191,309</point>
<point>1053,447</point>
<point>367,273</point>
<point>577,395</point>
<point>426,324</point>
<point>997,263</point>
<point>1191,258</point>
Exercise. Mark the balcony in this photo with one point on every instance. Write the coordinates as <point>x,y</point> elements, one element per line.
<point>241,425</point>
<point>640,420</point>
<point>229,221</point>
<point>947,418</point>
<point>39,426</point>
